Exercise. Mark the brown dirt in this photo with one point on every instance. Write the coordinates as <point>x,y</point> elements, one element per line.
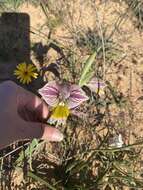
<point>127,76</point>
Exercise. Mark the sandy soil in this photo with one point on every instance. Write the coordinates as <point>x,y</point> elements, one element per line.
<point>127,75</point>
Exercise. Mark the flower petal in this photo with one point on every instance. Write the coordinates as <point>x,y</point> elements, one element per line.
<point>96,85</point>
<point>77,96</point>
<point>50,93</point>
<point>116,141</point>
<point>65,90</point>
<point>59,114</point>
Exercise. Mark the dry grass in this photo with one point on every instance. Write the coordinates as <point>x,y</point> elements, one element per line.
<point>84,160</point>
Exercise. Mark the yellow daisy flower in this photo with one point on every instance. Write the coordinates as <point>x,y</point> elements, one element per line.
<point>25,72</point>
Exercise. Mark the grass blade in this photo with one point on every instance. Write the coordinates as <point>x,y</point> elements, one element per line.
<point>86,72</point>
<point>35,177</point>
<point>28,152</point>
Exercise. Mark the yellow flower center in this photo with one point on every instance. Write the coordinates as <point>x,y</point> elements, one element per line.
<point>61,111</point>
<point>59,114</point>
<point>25,73</point>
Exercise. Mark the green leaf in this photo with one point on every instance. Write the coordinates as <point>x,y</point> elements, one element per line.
<point>79,167</point>
<point>76,166</point>
<point>71,166</point>
<point>86,72</point>
<point>87,78</point>
<point>28,152</point>
<point>35,177</point>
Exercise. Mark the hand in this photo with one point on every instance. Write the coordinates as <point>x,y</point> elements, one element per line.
<point>20,111</point>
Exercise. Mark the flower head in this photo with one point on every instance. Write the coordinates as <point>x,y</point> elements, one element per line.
<point>25,72</point>
<point>62,98</point>
<point>116,141</point>
<point>97,86</point>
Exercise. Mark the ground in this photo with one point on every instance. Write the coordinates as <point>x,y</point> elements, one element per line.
<point>71,31</point>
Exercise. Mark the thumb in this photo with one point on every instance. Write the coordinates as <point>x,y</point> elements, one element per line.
<point>30,130</point>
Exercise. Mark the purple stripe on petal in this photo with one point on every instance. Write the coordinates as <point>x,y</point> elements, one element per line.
<point>51,101</point>
<point>77,92</point>
<point>72,103</point>
<point>95,84</point>
<point>75,88</point>
<point>50,93</point>
<point>77,96</point>
<point>47,89</point>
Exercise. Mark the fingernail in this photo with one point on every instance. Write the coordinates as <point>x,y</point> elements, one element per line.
<point>57,136</point>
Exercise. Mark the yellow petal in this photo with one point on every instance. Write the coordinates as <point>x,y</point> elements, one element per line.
<point>25,72</point>
<point>34,75</point>
<point>60,114</point>
<point>22,67</point>
<point>16,72</point>
<point>31,68</point>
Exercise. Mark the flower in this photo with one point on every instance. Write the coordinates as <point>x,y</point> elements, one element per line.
<point>63,98</point>
<point>116,141</point>
<point>97,86</point>
<point>25,72</point>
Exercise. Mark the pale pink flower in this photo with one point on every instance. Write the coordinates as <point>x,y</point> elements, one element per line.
<point>63,98</point>
<point>96,85</point>
<point>116,141</point>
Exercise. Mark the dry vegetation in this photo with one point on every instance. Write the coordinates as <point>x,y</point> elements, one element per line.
<point>66,33</point>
